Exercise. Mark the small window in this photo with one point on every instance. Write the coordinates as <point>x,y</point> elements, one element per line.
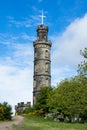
<point>46,54</point>
<point>44,37</point>
<point>46,78</point>
<point>40,36</point>
<point>46,67</point>
<point>35,54</point>
<point>34,82</point>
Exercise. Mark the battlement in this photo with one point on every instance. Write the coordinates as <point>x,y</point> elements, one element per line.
<point>21,106</point>
<point>42,27</point>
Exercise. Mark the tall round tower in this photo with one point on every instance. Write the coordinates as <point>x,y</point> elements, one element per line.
<point>42,62</point>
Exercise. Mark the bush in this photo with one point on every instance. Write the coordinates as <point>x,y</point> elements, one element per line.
<point>57,116</point>
<point>41,100</point>
<point>31,111</point>
<point>5,111</point>
<point>2,112</point>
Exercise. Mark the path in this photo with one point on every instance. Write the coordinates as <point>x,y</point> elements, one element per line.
<point>17,120</point>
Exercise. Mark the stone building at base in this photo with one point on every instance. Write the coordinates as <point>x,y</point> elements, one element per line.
<point>21,106</point>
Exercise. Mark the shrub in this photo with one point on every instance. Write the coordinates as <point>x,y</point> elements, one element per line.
<point>5,111</point>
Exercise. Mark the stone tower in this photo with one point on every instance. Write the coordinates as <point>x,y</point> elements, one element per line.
<point>42,62</point>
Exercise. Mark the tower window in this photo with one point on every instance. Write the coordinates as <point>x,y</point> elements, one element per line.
<point>47,81</point>
<point>46,78</point>
<point>44,36</point>
<point>35,67</point>
<point>46,54</point>
<point>46,67</point>
<point>35,50</point>
<point>40,35</point>
<point>34,83</point>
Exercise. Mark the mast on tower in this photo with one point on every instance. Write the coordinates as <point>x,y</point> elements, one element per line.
<point>42,17</point>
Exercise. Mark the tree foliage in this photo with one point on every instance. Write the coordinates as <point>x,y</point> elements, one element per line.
<point>69,98</point>
<point>82,67</point>
<point>42,99</point>
<point>5,111</point>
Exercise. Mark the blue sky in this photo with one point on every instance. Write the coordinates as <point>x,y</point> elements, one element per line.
<point>67,22</point>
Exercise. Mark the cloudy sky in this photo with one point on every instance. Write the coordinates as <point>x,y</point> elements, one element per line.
<point>67,22</point>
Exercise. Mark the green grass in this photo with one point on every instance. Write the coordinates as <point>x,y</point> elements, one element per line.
<point>38,123</point>
<point>14,127</point>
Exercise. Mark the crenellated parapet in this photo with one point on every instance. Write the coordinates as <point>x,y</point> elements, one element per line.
<point>21,106</point>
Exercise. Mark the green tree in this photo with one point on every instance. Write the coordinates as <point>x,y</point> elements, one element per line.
<point>42,99</point>
<point>69,98</point>
<point>1,112</point>
<point>82,67</point>
<point>82,74</point>
<point>28,110</point>
<point>5,111</point>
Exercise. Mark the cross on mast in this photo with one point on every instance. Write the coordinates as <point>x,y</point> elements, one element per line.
<point>42,17</point>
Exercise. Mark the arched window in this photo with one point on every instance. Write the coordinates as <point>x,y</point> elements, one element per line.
<point>35,67</point>
<point>46,54</point>
<point>44,37</point>
<point>40,36</point>
<point>34,82</point>
<point>35,53</point>
<point>46,67</point>
<point>47,81</point>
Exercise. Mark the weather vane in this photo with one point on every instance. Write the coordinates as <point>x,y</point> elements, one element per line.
<point>42,17</point>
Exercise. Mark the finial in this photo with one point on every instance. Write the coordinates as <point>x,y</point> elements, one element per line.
<point>42,17</point>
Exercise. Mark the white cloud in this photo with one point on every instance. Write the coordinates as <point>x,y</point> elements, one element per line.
<point>67,46</point>
<point>16,70</point>
<point>27,22</point>
<point>16,84</point>
<point>27,37</point>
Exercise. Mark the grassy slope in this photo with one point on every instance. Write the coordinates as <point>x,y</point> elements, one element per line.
<point>14,127</point>
<point>37,123</point>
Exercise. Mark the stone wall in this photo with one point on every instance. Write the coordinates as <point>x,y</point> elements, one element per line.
<point>21,106</point>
